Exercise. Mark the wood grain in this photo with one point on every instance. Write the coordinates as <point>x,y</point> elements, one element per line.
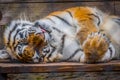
<point>58,67</point>
<point>66,76</point>
<point>117,8</point>
<point>0,15</point>
<point>49,1</point>
<point>35,11</point>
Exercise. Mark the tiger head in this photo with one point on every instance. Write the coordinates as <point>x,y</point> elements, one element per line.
<point>24,41</point>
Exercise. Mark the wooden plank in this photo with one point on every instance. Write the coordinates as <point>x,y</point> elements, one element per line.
<point>50,1</point>
<point>58,67</point>
<point>36,11</point>
<point>0,15</point>
<point>117,8</point>
<point>32,11</point>
<point>66,76</point>
<point>107,7</point>
<point>1,36</point>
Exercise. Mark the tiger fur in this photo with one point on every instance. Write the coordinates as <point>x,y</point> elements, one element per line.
<point>81,34</point>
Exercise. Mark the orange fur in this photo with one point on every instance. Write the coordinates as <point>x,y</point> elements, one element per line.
<point>27,55</point>
<point>34,42</point>
<point>37,41</point>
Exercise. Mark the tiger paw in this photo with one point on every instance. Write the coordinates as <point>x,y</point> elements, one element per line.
<point>4,55</point>
<point>95,47</point>
<point>52,58</point>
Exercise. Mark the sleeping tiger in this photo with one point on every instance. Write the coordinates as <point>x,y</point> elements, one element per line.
<point>81,34</point>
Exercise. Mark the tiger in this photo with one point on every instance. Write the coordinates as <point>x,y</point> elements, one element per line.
<point>23,42</point>
<point>82,34</point>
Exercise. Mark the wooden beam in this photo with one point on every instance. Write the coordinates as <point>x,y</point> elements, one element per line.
<point>50,1</point>
<point>58,67</point>
<point>3,76</point>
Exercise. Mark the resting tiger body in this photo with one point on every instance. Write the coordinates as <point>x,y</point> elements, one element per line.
<point>81,34</point>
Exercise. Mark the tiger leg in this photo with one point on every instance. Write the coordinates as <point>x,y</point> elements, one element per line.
<point>98,48</point>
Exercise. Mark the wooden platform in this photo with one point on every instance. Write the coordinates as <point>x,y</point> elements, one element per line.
<point>36,9</point>
<point>61,70</point>
<point>66,68</point>
<point>58,67</point>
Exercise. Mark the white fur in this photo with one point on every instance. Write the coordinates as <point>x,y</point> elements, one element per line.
<point>107,56</point>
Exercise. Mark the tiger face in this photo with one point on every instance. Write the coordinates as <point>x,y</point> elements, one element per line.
<point>24,41</point>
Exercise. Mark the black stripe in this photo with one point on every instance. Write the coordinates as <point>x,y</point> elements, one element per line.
<point>62,44</point>
<point>117,20</point>
<point>20,48</point>
<point>19,44</point>
<point>65,21</point>
<point>70,13</point>
<point>26,34</point>
<point>15,47</point>
<point>16,35</point>
<point>20,54</point>
<point>21,35</point>
<point>110,52</point>
<point>75,52</point>
<point>43,27</point>
<point>97,18</point>
<point>51,20</point>
<point>37,51</point>
<point>15,26</point>
<point>50,54</point>
<point>25,24</point>
<point>57,30</point>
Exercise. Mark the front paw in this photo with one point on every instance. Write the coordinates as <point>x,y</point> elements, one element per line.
<point>4,55</point>
<point>95,47</point>
<point>52,58</point>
